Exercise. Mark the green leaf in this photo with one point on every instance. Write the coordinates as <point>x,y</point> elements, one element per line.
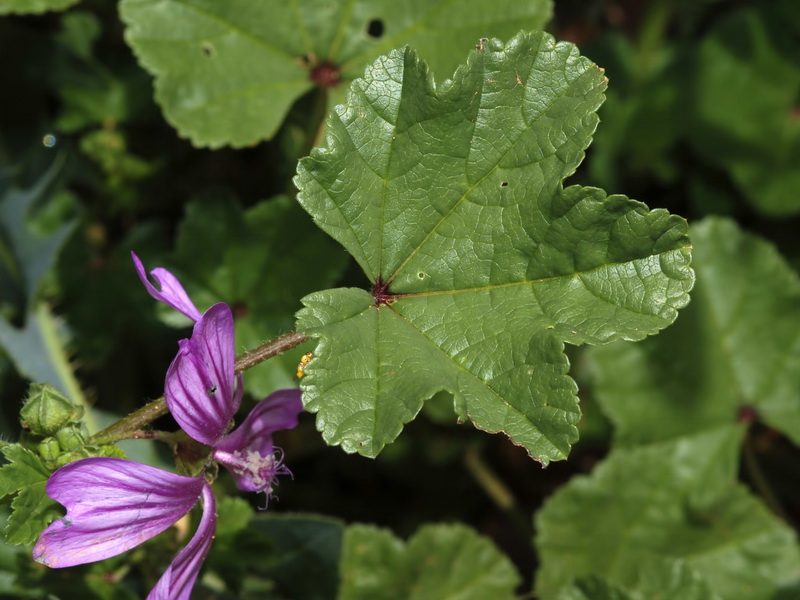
<point>439,561</point>
<point>232,70</point>
<point>27,256</point>
<point>658,502</point>
<point>747,97</point>
<point>91,93</point>
<point>24,7</point>
<point>298,554</point>
<point>272,255</point>
<point>33,510</point>
<point>734,349</point>
<point>482,264</point>
<point>662,580</point>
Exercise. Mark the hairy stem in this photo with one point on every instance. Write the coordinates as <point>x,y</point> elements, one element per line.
<point>272,348</point>
<point>130,426</point>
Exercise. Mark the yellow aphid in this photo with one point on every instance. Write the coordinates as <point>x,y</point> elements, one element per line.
<point>304,360</point>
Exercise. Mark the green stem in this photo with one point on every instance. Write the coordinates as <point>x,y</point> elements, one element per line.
<point>497,490</point>
<point>55,350</point>
<point>130,426</point>
<point>266,351</point>
<point>652,32</point>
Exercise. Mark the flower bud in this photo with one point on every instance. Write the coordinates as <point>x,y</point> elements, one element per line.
<point>46,410</point>
<point>70,437</point>
<point>49,449</point>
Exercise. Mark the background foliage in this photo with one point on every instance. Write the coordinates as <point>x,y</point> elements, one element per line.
<point>174,128</point>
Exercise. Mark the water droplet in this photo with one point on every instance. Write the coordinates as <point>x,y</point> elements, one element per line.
<point>49,140</point>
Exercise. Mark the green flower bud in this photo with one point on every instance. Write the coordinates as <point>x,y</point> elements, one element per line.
<point>49,449</point>
<point>46,410</point>
<point>70,457</point>
<point>71,437</point>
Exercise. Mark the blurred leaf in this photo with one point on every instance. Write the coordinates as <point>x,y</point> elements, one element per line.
<point>439,561</point>
<point>482,264</point>
<point>33,510</point>
<point>735,348</point>
<point>96,278</point>
<point>660,580</point>
<point>233,515</point>
<point>262,262</point>
<point>23,7</point>
<point>91,93</point>
<point>231,71</point>
<point>299,554</point>
<point>639,116</point>
<point>26,257</point>
<point>666,501</point>
<point>747,88</point>
<point>36,347</point>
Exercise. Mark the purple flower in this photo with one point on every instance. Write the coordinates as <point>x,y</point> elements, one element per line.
<point>172,292</point>
<point>202,389</point>
<point>114,504</point>
<point>247,451</point>
<point>203,392</point>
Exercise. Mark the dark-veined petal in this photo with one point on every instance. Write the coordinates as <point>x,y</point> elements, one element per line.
<point>112,505</point>
<point>248,451</point>
<point>172,292</point>
<point>201,388</point>
<point>177,582</point>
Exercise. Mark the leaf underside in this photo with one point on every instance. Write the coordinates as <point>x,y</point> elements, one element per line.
<point>450,198</point>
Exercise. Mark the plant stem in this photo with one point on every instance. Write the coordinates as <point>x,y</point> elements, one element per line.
<point>130,426</point>
<point>497,490</point>
<point>58,357</point>
<point>272,348</point>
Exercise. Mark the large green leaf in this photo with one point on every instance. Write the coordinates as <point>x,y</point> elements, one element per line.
<point>735,349</point>
<point>228,73</point>
<point>439,561</point>
<point>659,502</point>
<point>482,264</point>
<point>659,580</point>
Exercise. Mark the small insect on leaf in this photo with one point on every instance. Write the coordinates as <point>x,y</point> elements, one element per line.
<point>304,360</point>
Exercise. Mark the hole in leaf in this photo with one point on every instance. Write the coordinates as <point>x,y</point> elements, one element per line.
<point>504,184</point>
<point>375,28</point>
<point>421,275</point>
<point>208,49</point>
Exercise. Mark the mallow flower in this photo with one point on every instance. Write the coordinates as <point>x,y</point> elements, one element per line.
<point>203,392</point>
<point>115,504</point>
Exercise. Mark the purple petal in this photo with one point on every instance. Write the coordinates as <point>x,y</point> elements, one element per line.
<point>172,292</point>
<point>112,505</point>
<point>248,452</point>
<point>201,386</point>
<point>178,580</point>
